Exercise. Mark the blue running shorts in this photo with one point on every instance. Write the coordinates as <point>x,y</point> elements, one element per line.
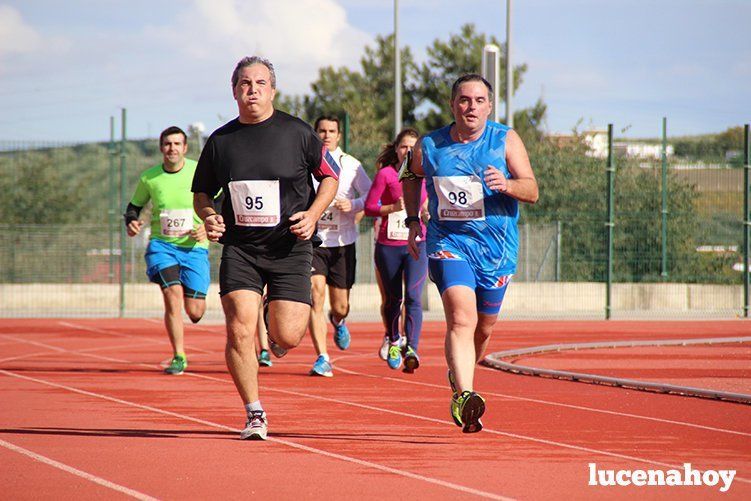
<point>449,270</point>
<point>162,258</point>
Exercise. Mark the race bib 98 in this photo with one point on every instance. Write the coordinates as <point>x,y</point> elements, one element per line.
<point>460,198</point>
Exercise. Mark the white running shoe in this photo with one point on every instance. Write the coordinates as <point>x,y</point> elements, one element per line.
<point>256,428</point>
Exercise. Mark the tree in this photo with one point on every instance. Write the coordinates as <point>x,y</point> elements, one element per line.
<point>447,61</point>
<point>367,94</point>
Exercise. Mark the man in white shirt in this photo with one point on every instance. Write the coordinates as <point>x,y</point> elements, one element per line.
<point>334,262</point>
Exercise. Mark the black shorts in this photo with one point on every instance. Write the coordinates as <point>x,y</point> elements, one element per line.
<point>286,273</point>
<point>337,263</point>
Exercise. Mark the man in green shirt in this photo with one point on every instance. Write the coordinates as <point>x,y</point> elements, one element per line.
<point>177,257</point>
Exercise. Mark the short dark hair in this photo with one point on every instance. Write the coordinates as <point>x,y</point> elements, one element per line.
<point>172,130</point>
<point>328,118</point>
<point>250,61</point>
<point>470,77</point>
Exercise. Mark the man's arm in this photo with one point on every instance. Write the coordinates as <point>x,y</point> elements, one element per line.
<point>523,184</point>
<point>362,185</point>
<point>203,204</point>
<point>412,189</point>
<point>305,221</point>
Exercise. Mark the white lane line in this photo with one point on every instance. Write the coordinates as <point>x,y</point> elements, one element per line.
<point>76,472</point>
<point>120,334</point>
<point>451,423</point>
<point>79,352</point>
<point>435,420</point>
<point>220,328</point>
<point>547,402</point>
<point>501,395</point>
<point>368,464</point>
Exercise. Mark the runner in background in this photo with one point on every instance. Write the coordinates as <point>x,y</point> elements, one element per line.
<point>335,260</point>
<point>401,276</point>
<point>177,257</point>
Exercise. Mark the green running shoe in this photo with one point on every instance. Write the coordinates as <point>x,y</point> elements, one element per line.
<point>466,410</point>
<point>394,358</point>
<point>411,360</point>
<point>177,366</point>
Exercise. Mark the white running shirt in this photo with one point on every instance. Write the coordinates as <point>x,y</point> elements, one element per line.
<point>337,228</point>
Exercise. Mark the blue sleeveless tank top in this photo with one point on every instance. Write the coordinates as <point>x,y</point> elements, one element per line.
<point>490,245</point>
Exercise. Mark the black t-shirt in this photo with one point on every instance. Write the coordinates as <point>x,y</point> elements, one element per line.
<point>282,148</point>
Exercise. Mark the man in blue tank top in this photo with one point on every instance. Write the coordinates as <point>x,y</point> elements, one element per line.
<point>476,173</point>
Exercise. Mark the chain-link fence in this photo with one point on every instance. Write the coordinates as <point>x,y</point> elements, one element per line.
<point>677,246</point>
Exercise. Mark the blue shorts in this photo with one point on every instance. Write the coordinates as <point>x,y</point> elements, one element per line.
<point>168,264</point>
<point>447,272</point>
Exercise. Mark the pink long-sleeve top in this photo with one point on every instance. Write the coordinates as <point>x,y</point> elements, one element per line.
<point>386,189</point>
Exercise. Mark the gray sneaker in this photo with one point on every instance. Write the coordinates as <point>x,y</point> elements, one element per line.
<point>256,428</point>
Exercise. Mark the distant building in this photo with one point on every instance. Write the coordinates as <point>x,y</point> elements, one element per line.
<point>596,141</point>
<point>642,150</point>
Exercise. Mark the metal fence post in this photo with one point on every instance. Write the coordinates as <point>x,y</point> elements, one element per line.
<point>610,223</point>
<point>558,251</point>
<point>664,267</point>
<point>746,221</point>
<point>122,207</point>
<point>112,201</point>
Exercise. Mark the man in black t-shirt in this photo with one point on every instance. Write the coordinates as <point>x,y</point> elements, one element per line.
<point>263,161</point>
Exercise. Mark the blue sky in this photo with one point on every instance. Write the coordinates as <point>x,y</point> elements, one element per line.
<point>67,66</point>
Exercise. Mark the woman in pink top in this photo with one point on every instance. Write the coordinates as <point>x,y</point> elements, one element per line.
<point>400,275</point>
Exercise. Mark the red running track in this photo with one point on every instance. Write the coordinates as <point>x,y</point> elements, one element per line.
<point>86,413</point>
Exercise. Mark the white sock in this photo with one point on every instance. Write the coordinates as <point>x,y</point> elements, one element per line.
<point>253,406</point>
<point>333,320</point>
<point>325,356</point>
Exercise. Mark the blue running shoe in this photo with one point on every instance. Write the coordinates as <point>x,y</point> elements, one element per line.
<point>321,367</point>
<point>264,359</point>
<point>394,358</point>
<point>411,360</point>
<point>341,334</point>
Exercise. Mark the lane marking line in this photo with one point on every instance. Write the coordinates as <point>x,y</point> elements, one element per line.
<point>426,418</point>
<point>361,462</point>
<point>75,471</point>
<point>432,385</point>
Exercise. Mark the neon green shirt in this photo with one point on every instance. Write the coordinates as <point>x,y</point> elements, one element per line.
<point>172,202</point>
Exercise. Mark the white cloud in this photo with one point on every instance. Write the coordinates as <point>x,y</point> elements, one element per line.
<point>15,35</point>
<point>298,36</point>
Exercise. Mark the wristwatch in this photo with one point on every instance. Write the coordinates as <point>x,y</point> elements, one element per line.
<point>411,219</point>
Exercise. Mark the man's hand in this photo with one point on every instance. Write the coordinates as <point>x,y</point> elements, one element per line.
<point>198,233</point>
<point>343,204</point>
<point>214,227</point>
<point>305,224</point>
<point>495,179</point>
<point>415,234</point>
<point>134,227</point>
